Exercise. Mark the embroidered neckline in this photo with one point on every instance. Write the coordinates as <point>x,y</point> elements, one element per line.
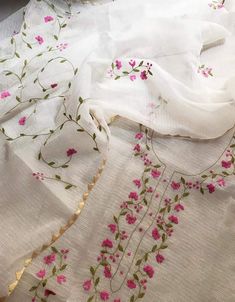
<point>114,248</point>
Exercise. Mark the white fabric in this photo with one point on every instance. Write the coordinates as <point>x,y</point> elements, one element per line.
<point>11,24</point>
<point>177,100</point>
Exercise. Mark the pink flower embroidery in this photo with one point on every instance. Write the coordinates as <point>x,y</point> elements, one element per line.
<point>112,228</point>
<point>155,173</point>
<point>132,77</point>
<point>49,292</point>
<point>4,94</point>
<point>226,164</point>
<point>22,121</point>
<point>155,234</point>
<point>216,4</point>
<point>117,300</point>
<point>48,19</point>
<point>148,269</point>
<point>139,135</point>
<point>137,148</point>
<point>179,207</point>
<point>205,71</point>
<point>33,299</point>
<point>39,39</point>
<point>211,188</point>
<point>41,274</point>
<point>134,195</point>
<point>175,185</point>
<point>39,176</point>
<point>62,46</point>
<point>130,219</point>
<point>107,272</point>
<point>107,243</point>
<point>49,259</point>
<point>137,182</point>
<point>131,284</point>
<point>104,296</point>
<point>87,285</point>
<point>54,85</point>
<point>71,152</point>
<point>132,63</point>
<point>221,182</point>
<point>143,75</point>
<point>61,279</point>
<point>64,253</point>
<point>118,64</point>
<point>173,219</point>
<point>159,258</point>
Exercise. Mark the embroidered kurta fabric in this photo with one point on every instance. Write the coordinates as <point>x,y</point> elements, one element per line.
<point>117,153</point>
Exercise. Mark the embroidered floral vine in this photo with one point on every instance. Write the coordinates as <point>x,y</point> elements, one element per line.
<point>73,119</point>
<point>42,176</point>
<point>53,268</point>
<point>154,106</point>
<point>205,71</point>
<point>131,212</point>
<point>44,91</point>
<point>141,70</point>
<point>216,178</point>
<point>58,18</point>
<point>48,91</point>
<point>125,223</point>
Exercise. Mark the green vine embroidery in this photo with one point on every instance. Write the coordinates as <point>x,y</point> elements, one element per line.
<point>69,119</point>
<point>61,20</point>
<point>142,70</point>
<point>163,221</point>
<point>47,91</point>
<point>15,54</point>
<point>54,269</point>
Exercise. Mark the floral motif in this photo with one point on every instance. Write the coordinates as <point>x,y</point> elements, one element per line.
<point>41,176</point>
<point>61,279</point>
<point>49,259</point>
<point>62,46</point>
<point>205,71</point>
<point>217,4</point>
<point>160,258</point>
<point>141,70</point>
<point>41,274</point>
<point>155,234</point>
<point>162,228</point>
<point>148,269</point>
<point>54,85</point>
<point>131,284</point>
<point>48,19</point>
<point>39,39</point>
<point>4,94</point>
<point>154,106</point>
<point>130,211</point>
<point>60,17</point>
<point>87,285</point>
<point>49,292</point>
<point>55,266</point>
<point>104,296</point>
<point>175,185</point>
<point>22,121</point>
<point>215,179</point>
<point>70,152</point>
